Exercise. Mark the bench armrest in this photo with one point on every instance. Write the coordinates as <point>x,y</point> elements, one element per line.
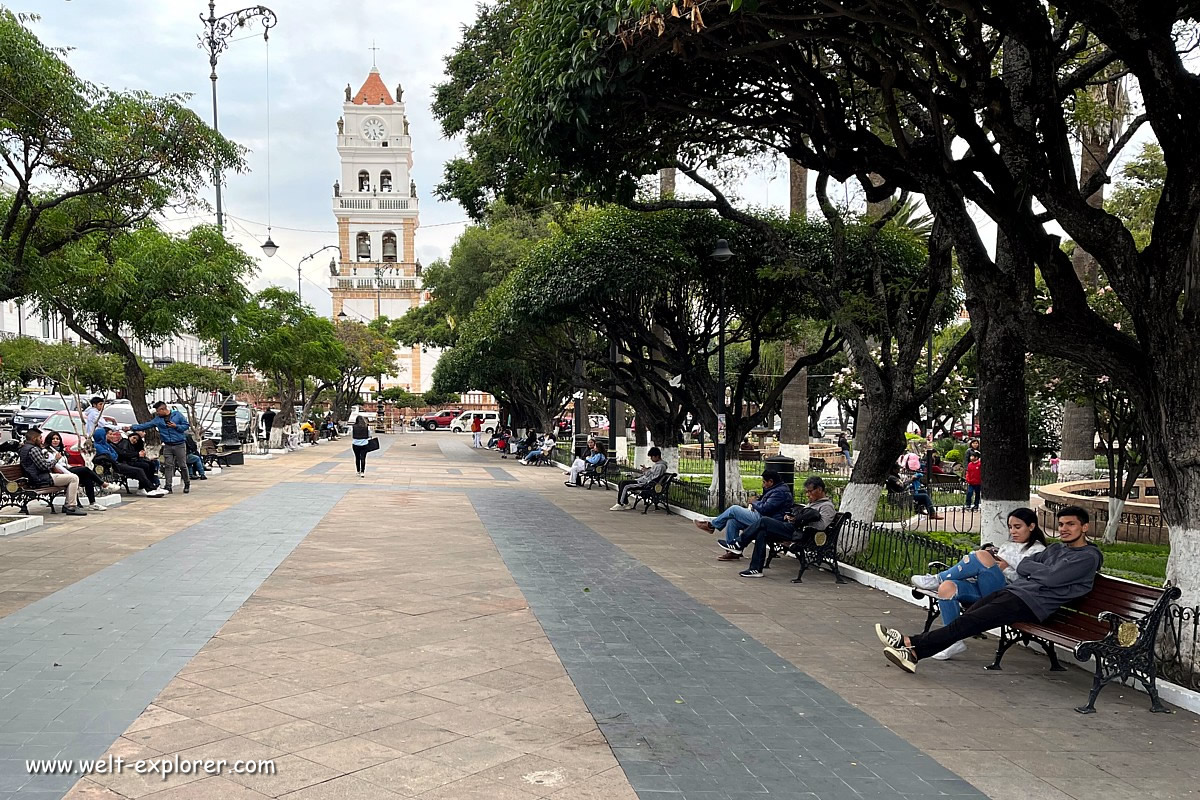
<point>1129,635</point>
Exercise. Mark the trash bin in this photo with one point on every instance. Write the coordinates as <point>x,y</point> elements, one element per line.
<point>580,446</point>
<point>786,467</point>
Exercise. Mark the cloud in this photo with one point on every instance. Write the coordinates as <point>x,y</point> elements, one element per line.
<point>314,51</point>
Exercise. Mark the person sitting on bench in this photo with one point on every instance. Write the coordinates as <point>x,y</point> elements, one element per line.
<point>775,502</point>
<point>798,525</point>
<point>541,454</point>
<point>39,471</point>
<point>651,474</point>
<point>1046,581</point>
<point>594,459</point>
<point>105,441</point>
<point>980,573</point>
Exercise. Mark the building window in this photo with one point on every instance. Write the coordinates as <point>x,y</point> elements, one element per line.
<point>389,246</point>
<point>364,181</point>
<point>364,246</point>
<point>385,181</point>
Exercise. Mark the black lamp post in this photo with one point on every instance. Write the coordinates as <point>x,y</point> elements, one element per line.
<point>214,40</point>
<point>721,254</point>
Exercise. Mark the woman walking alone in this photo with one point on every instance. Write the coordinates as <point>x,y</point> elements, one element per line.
<point>361,433</point>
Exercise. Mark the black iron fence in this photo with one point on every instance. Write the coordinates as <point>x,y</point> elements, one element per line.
<point>1137,527</point>
<point>892,553</point>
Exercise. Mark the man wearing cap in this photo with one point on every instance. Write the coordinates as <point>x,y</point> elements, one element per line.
<point>172,427</point>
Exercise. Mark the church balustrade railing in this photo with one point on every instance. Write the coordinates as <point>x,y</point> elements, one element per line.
<point>375,203</point>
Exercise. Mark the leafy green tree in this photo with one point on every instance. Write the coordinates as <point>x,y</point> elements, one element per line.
<point>73,370</point>
<point>188,383</point>
<point>279,337</point>
<point>143,286</point>
<point>365,353</point>
<point>527,364</point>
<point>479,261</point>
<point>77,159</point>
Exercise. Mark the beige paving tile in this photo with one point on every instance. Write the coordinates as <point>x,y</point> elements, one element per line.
<point>350,754</point>
<point>411,736</point>
<point>291,737</point>
<point>247,719</point>
<point>470,755</point>
<point>347,787</point>
<point>411,776</point>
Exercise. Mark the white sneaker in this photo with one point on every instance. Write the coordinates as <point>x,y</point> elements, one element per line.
<point>144,493</point>
<point>617,507</point>
<point>956,649</point>
<point>157,493</point>
<point>929,583</point>
<point>96,507</point>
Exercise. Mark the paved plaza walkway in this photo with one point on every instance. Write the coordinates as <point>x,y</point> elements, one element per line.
<point>455,625</point>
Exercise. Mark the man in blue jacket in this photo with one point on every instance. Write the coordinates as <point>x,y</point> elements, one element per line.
<point>776,501</point>
<point>172,427</point>
<point>105,441</point>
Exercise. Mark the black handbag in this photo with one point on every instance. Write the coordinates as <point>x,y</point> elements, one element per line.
<point>372,444</point>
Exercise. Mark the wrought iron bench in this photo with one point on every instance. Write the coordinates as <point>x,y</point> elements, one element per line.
<point>15,490</point>
<point>602,473</point>
<point>1116,623</point>
<point>814,548</point>
<point>654,495</point>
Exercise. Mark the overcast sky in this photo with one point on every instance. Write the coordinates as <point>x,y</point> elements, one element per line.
<point>317,48</point>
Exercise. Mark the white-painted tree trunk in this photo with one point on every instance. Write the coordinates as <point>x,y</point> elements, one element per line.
<point>860,500</point>
<point>993,519</point>
<point>276,440</point>
<point>1183,570</point>
<point>671,456</point>
<point>1116,507</point>
<point>734,493</point>
<point>641,455</point>
<point>1081,470</point>
<point>800,452</point>
<point>621,450</point>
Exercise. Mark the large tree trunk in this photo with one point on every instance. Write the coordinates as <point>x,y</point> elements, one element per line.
<point>1078,459</point>
<point>1003,414</point>
<point>135,387</point>
<point>879,438</point>
<point>793,428</point>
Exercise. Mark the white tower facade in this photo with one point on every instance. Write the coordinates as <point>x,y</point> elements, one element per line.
<point>375,204</point>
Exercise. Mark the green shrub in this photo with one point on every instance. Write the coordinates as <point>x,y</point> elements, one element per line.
<point>945,445</point>
<point>954,456</point>
<point>913,437</point>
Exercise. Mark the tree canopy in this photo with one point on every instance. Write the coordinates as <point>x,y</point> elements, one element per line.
<point>77,159</point>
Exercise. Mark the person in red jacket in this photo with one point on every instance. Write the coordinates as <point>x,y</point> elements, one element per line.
<point>973,482</point>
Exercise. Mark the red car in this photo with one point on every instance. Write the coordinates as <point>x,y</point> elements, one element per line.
<point>66,423</point>
<point>441,419</point>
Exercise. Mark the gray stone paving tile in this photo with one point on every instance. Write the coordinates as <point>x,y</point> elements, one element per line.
<point>692,706</point>
<point>119,636</point>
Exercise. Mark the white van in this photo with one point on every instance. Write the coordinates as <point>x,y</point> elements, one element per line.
<point>489,419</point>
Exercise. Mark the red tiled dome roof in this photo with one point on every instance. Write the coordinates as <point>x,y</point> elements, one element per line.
<point>373,92</point>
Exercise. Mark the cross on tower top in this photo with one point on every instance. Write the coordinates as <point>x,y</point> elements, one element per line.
<point>373,48</point>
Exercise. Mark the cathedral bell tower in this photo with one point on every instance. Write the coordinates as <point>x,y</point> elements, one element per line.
<point>375,204</point>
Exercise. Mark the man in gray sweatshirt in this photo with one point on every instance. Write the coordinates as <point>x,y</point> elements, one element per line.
<point>1046,582</point>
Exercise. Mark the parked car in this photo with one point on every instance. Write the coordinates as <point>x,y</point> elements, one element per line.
<point>69,425</point>
<point>489,419</point>
<point>122,414</point>
<point>26,396</point>
<point>209,418</point>
<point>439,419</point>
<point>38,409</point>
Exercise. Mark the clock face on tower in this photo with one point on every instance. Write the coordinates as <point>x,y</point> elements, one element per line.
<point>373,129</point>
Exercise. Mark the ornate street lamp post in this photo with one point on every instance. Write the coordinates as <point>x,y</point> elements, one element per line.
<point>721,254</point>
<point>214,41</point>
